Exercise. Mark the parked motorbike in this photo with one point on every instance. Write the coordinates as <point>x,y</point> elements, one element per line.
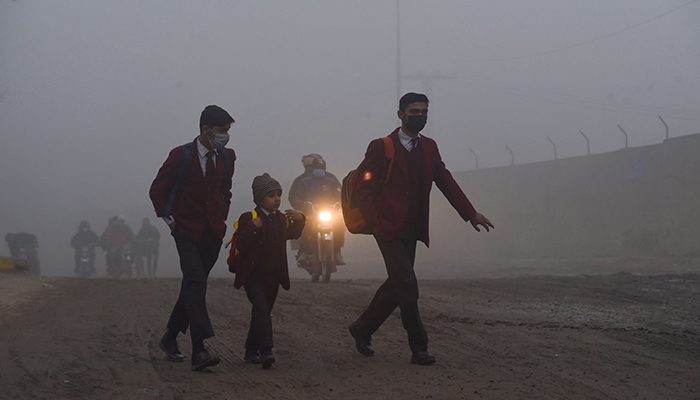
<point>83,268</point>
<point>319,228</point>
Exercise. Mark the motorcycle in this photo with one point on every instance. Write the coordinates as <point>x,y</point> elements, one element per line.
<point>122,261</point>
<point>321,259</point>
<point>83,268</point>
<point>30,255</point>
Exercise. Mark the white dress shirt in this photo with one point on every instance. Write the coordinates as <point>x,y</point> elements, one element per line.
<point>406,140</point>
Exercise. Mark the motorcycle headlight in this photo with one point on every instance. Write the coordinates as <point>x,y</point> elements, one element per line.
<point>324,216</point>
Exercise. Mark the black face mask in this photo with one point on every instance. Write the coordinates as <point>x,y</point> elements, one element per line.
<point>416,123</point>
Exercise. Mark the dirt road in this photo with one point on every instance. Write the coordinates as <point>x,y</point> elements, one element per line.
<point>586,337</point>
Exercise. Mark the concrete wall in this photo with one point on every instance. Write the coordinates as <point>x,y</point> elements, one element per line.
<point>635,202</point>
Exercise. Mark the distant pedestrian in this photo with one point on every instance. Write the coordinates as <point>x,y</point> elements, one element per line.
<point>261,262</point>
<point>148,240</point>
<point>398,212</point>
<point>196,215</point>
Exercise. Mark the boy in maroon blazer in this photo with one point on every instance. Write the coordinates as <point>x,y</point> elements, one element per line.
<point>192,193</point>
<point>398,214</point>
<point>261,262</point>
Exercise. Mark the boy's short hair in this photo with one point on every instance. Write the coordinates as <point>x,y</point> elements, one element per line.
<point>214,116</point>
<point>410,98</point>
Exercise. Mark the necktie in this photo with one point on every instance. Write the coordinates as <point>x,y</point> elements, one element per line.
<point>270,216</point>
<point>414,142</point>
<point>209,174</point>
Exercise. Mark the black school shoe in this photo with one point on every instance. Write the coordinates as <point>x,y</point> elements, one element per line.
<point>171,350</point>
<point>422,358</point>
<point>203,359</point>
<point>363,346</point>
<point>252,357</point>
<point>267,360</point>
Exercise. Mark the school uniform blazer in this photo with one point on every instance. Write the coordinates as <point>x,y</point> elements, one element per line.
<point>196,203</point>
<point>251,247</point>
<point>385,207</point>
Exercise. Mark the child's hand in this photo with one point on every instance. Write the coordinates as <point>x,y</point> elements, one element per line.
<point>294,215</point>
<point>257,222</point>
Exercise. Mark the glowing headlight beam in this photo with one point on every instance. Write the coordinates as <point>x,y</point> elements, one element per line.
<point>324,216</point>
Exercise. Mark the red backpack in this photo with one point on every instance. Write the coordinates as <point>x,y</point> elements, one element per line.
<point>233,253</point>
<point>354,220</point>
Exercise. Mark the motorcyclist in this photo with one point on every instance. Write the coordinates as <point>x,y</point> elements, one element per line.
<point>116,234</point>
<point>85,238</point>
<point>319,188</point>
<point>27,242</point>
<point>294,191</point>
<point>148,241</point>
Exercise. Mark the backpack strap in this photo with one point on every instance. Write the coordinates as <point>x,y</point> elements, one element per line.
<point>185,162</point>
<point>235,227</point>
<point>388,158</point>
<point>226,158</point>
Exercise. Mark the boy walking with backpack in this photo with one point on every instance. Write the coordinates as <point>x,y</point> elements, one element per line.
<point>192,193</point>
<point>258,257</point>
<point>394,205</point>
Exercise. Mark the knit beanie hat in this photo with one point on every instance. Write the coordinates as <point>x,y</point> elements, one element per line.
<point>262,185</point>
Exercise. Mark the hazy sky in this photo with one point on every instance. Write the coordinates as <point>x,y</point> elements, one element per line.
<point>95,94</point>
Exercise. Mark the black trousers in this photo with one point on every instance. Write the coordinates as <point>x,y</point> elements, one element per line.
<point>399,290</point>
<point>151,258</point>
<point>262,294</point>
<point>196,261</point>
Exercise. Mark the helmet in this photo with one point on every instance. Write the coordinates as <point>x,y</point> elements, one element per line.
<point>319,163</point>
<point>308,159</point>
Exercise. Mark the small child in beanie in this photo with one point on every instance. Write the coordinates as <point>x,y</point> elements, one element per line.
<point>262,262</point>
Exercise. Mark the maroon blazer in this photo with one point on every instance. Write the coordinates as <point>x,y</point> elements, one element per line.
<point>385,207</point>
<point>195,203</point>
<point>251,245</point>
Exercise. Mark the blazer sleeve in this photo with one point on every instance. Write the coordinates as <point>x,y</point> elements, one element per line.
<point>161,186</point>
<point>295,228</point>
<point>448,186</point>
<point>369,183</point>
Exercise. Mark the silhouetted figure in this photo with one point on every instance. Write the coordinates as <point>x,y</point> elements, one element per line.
<point>118,241</point>
<point>148,240</point>
<point>320,188</point>
<point>25,246</point>
<point>84,242</point>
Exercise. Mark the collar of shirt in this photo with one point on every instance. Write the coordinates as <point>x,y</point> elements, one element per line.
<point>406,140</point>
<point>267,213</point>
<point>202,151</point>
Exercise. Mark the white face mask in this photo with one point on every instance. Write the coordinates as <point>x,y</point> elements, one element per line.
<point>319,173</point>
<point>220,140</point>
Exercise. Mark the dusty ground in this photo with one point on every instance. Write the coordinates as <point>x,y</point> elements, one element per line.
<point>621,336</point>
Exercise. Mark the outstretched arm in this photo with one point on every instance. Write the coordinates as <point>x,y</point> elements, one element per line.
<point>454,194</point>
